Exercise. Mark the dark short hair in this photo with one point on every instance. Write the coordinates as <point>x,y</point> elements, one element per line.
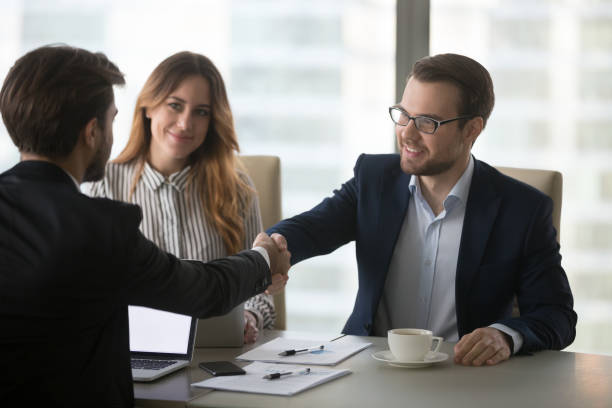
<point>471,78</point>
<point>51,93</point>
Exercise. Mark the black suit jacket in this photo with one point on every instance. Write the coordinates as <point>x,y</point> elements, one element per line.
<point>69,266</point>
<point>508,247</point>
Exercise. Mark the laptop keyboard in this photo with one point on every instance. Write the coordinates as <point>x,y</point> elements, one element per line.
<point>144,364</point>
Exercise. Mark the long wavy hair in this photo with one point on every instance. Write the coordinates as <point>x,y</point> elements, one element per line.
<point>226,196</point>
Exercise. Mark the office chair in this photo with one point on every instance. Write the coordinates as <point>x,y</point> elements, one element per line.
<point>265,173</point>
<point>549,182</point>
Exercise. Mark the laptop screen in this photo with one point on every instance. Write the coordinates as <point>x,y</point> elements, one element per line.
<point>157,331</point>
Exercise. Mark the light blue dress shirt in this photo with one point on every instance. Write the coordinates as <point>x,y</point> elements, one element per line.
<point>420,287</point>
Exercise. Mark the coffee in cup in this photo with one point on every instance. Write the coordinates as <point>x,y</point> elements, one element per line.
<point>411,344</point>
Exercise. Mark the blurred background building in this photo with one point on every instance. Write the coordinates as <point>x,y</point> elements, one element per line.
<point>551,63</point>
<point>310,81</point>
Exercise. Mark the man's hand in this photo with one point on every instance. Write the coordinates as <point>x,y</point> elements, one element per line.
<point>279,258</point>
<point>485,345</point>
<point>279,281</point>
<point>280,241</point>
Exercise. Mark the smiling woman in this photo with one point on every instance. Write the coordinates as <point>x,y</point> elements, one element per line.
<point>179,125</point>
<point>180,166</point>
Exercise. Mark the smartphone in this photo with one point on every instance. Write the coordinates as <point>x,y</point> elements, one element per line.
<point>217,368</point>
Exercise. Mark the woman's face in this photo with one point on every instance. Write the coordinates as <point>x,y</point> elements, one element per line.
<point>179,125</point>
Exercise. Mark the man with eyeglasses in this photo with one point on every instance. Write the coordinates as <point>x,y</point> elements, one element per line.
<point>444,241</point>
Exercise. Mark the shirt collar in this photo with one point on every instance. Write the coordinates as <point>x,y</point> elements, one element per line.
<point>460,190</point>
<point>41,165</point>
<point>153,179</point>
<point>414,185</point>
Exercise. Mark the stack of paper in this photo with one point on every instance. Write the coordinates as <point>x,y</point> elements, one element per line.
<point>289,384</point>
<point>331,354</point>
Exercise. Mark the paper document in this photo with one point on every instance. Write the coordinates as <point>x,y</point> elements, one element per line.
<point>331,354</point>
<point>290,384</point>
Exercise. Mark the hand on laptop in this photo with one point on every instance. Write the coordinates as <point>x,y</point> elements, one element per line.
<point>250,327</point>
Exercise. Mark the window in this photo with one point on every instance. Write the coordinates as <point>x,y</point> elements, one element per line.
<point>552,67</point>
<point>309,81</point>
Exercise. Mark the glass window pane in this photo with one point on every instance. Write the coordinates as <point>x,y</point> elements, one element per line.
<point>551,63</point>
<point>309,81</point>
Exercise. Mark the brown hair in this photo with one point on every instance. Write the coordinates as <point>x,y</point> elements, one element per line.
<point>471,78</point>
<point>51,93</point>
<point>213,164</point>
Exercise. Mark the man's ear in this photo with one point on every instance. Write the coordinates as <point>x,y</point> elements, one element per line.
<point>473,128</point>
<point>89,134</point>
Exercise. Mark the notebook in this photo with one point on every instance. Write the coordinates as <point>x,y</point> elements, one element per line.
<point>222,331</point>
<point>160,342</point>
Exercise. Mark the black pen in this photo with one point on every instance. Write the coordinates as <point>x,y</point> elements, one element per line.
<point>292,352</point>
<point>275,376</point>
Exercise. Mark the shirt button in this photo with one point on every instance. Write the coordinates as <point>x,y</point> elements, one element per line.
<point>428,263</point>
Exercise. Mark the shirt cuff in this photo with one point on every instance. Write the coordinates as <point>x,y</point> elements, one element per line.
<point>263,253</point>
<point>517,338</point>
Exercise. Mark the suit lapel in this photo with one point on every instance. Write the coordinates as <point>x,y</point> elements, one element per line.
<point>394,196</point>
<point>480,213</point>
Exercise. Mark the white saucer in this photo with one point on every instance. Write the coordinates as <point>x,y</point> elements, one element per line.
<point>431,358</point>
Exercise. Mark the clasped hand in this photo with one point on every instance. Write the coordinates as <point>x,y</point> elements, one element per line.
<point>280,258</point>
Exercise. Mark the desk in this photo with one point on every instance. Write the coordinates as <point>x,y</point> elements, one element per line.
<point>546,379</point>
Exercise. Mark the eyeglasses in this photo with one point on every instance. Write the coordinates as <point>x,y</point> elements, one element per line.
<point>426,125</point>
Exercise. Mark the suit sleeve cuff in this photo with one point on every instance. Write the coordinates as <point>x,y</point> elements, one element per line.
<point>262,251</point>
<point>516,337</point>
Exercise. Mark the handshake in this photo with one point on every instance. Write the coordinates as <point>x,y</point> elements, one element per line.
<point>280,258</point>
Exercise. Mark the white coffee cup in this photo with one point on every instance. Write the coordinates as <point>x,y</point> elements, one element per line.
<point>411,344</point>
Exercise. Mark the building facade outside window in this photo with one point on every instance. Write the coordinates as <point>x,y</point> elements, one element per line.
<point>309,81</point>
<point>551,63</point>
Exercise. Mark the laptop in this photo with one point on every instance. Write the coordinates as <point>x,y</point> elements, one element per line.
<point>160,342</point>
<point>222,331</point>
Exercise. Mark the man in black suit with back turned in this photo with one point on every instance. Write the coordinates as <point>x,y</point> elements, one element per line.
<point>71,264</point>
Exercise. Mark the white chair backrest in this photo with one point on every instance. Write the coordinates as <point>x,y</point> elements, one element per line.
<point>265,173</point>
<point>549,182</point>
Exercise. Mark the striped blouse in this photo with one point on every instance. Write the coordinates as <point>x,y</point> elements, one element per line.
<point>174,219</point>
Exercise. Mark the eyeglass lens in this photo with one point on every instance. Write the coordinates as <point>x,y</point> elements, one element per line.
<point>423,124</point>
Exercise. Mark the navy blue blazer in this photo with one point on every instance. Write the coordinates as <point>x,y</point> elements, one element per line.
<point>508,246</point>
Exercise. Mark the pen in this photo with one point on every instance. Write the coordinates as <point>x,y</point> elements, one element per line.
<point>337,338</point>
<point>274,376</point>
<point>292,352</point>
